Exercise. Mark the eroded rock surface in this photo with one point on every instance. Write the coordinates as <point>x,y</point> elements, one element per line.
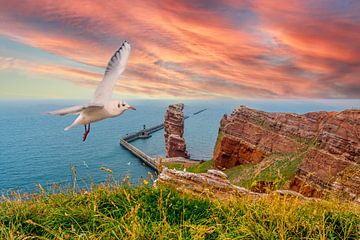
<point>329,142</point>
<point>174,130</point>
<point>212,182</point>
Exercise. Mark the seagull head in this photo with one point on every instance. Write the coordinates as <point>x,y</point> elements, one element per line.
<point>122,105</point>
<point>118,107</point>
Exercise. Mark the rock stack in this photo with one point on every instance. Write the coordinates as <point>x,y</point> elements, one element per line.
<point>174,130</point>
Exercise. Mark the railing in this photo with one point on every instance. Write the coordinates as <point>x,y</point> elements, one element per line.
<point>138,153</point>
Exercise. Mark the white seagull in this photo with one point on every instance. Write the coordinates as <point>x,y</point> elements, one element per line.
<point>101,106</point>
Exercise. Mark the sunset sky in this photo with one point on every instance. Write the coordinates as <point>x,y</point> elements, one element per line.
<point>182,49</point>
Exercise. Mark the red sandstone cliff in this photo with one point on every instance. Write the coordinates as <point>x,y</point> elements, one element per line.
<point>174,130</point>
<point>329,141</point>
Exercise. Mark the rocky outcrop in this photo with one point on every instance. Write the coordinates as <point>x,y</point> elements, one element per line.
<point>337,133</point>
<point>328,141</point>
<point>174,130</point>
<point>213,183</point>
<point>318,172</point>
<point>241,141</point>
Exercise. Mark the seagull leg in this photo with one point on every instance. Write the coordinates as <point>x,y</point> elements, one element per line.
<point>87,130</point>
<point>84,136</point>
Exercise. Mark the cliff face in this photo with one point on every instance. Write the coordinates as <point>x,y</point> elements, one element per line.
<point>328,142</point>
<point>174,129</point>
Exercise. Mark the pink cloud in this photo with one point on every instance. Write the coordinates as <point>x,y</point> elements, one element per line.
<point>200,49</point>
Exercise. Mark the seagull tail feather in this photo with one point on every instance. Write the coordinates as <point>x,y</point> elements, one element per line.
<point>68,127</point>
<point>76,122</point>
<point>71,126</point>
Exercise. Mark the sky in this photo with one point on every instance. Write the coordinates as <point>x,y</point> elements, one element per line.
<point>204,49</point>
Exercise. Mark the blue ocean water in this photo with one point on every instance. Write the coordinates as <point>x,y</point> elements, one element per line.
<point>34,148</point>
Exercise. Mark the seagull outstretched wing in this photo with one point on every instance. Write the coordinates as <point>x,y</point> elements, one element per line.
<point>115,67</point>
<point>75,109</point>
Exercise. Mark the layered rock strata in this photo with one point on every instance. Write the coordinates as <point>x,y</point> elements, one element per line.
<point>329,141</point>
<point>174,130</point>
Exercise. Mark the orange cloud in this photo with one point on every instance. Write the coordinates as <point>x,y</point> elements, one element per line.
<point>199,49</point>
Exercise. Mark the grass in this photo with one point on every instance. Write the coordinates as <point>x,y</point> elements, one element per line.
<point>195,168</point>
<point>202,167</point>
<point>177,166</point>
<point>275,171</point>
<point>143,212</point>
<point>277,168</point>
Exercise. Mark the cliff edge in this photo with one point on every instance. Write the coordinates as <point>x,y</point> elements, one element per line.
<point>321,149</point>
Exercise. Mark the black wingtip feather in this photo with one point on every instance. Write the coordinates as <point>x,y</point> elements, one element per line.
<point>114,57</point>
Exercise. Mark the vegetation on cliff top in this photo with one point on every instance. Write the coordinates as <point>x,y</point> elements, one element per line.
<point>277,169</point>
<point>122,212</point>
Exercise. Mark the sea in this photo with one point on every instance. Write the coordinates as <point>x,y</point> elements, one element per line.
<point>35,151</point>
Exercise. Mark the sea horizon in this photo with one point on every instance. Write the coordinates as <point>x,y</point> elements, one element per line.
<point>35,149</point>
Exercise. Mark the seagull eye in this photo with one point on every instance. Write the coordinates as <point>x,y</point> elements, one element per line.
<point>123,105</point>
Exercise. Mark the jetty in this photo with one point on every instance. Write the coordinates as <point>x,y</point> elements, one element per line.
<point>145,133</point>
<point>151,162</point>
<point>196,113</point>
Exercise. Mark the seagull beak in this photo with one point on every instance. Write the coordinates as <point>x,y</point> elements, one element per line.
<point>132,108</point>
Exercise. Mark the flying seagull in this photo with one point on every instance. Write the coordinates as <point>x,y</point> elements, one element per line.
<point>101,106</point>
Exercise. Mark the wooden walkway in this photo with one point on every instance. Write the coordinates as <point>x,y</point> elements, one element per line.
<point>145,133</point>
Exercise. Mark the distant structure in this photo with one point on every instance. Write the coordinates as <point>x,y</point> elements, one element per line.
<point>146,133</point>
<point>174,130</point>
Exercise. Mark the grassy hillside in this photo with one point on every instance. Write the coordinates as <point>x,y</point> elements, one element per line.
<point>276,169</point>
<point>116,212</point>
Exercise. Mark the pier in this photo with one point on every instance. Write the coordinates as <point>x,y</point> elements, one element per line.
<point>196,113</point>
<point>143,134</point>
<point>151,162</point>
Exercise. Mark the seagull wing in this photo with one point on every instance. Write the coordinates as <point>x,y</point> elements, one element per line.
<point>75,109</point>
<point>115,67</point>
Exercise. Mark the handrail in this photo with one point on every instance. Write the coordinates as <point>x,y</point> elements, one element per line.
<point>137,152</point>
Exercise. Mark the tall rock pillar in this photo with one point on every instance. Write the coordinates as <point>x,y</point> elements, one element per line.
<point>174,130</point>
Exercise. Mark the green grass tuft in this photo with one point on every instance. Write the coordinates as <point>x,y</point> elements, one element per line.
<point>119,212</point>
<point>177,166</point>
<point>202,167</point>
<point>277,169</point>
